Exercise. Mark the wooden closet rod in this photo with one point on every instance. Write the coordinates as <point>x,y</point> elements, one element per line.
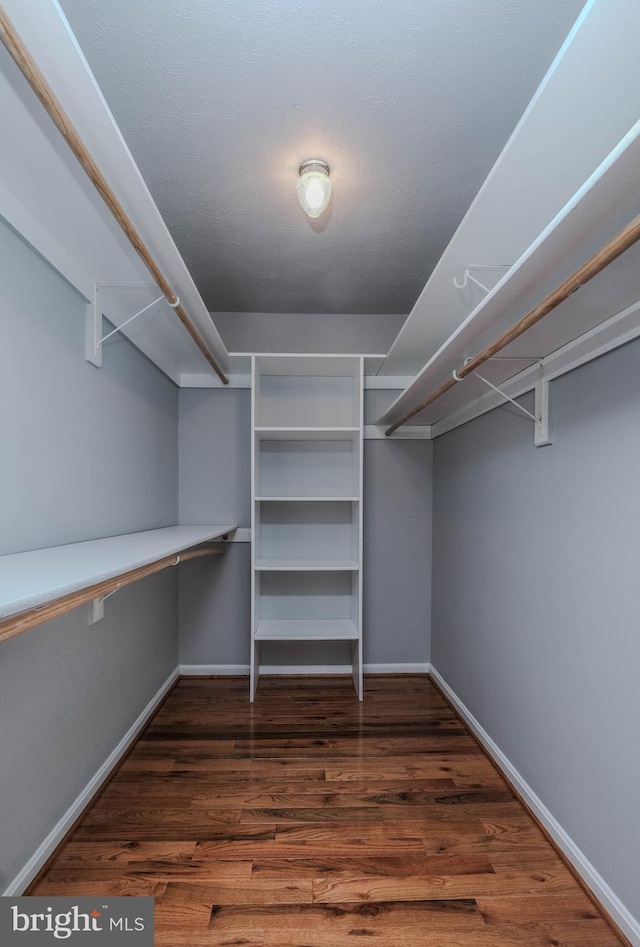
<point>29,69</point>
<point>606,255</point>
<point>16,624</point>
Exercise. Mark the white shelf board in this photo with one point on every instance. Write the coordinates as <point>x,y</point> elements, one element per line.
<point>306,433</point>
<point>307,565</point>
<point>31,579</point>
<point>605,204</point>
<point>47,198</point>
<point>575,118</point>
<point>298,499</point>
<point>306,630</point>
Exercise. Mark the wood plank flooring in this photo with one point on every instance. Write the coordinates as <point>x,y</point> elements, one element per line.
<point>310,819</point>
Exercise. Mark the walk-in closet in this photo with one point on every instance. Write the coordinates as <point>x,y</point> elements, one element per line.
<point>320,450</point>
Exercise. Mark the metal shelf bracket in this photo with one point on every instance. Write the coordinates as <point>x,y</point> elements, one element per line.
<point>467,277</point>
<point>96,608</point>
<point>542,435</point>
<point>94,337</point>
<point>541,419</point>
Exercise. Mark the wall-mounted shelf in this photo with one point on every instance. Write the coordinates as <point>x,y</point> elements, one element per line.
<point>46,197</point>
<point>575,119</point>
<point>575,148</point>
<point>30,581</point>
<point>596,213</point>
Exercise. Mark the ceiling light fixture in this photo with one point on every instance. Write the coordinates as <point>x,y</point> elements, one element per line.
<point>314,186</point>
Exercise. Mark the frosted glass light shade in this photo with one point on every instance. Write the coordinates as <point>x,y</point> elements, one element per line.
<point>314,186</point>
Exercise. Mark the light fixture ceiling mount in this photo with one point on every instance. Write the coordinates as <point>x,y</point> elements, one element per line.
<point>314,186</point>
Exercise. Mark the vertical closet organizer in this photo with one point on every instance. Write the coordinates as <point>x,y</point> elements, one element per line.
<point>307,504</point>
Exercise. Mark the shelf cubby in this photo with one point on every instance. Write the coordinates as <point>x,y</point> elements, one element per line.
<point>307,530</point>
<point>301,391</point>
<point>308,466</point>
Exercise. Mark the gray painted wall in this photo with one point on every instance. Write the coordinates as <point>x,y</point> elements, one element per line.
<point>307,332</point>
<point>69,692</point>
<point>397,551</point>
<point>535,613</point>
<point>85,453</point>
<point>215,486</point>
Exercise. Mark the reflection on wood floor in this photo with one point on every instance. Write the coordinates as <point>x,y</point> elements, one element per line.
<point>310,819</point>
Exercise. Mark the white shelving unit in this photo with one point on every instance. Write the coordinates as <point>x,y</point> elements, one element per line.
<point>307,503</point>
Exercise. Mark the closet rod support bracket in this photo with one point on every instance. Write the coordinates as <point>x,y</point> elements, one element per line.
<point>95,611</point>
<point>93,348</point>
<point>540,417</point>
<point>96,607</point>
<point>94,337</point>
<point>542,435</point>
<point>467,277</point>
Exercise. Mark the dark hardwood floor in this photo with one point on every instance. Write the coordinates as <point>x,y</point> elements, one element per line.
<point>310,819</point>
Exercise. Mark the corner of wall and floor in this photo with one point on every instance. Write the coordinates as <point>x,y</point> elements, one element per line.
<point>98,447</point>
<point>534,615</point>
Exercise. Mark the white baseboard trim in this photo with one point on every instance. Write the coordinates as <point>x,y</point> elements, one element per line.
<point>627,923</point>
<point>53,839</point>
<point>214,670</point>
<point>417,668</point>
<point>242,670</point>
<point>305,670</point>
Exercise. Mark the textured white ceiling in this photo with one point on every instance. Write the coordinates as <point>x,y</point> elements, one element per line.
<point>410,101</point>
